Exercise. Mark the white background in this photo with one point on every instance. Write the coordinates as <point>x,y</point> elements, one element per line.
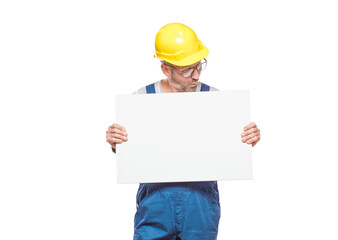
<point>62,62</point>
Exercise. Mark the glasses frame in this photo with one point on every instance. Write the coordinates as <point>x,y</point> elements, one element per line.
<point>185,72</point>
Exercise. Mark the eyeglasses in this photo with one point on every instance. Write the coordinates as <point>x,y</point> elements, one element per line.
<point>188,72</point>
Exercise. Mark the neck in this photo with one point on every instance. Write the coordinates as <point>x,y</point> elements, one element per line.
<point>169,86</point>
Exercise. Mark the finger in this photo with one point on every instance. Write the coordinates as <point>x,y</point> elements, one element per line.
<point>252,140</point>
<point>252,130</point>
<point>115,125</point>
<point>118,136</point>
<point>115,140</point>
<point>117,130</point>
<point>259,138</point>
<point>110,141</point>
<point>248,137</point>
<point>250,125</point>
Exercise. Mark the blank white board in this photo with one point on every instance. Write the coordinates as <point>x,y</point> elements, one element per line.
<point>177,137</point>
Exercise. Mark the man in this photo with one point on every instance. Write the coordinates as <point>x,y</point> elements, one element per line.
<point>187,210</point>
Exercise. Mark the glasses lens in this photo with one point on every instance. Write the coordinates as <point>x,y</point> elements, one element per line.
<point>199,67</point>
<point>188,73</point>
<point>203,65</point>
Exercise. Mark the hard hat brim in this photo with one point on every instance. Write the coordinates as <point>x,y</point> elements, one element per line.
<point>196,57</point>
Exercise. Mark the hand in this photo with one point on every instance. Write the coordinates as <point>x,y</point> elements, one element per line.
<point>116,134</point>
<point>251,134</point>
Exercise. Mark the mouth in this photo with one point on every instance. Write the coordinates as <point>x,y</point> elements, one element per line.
<point>194,83</point>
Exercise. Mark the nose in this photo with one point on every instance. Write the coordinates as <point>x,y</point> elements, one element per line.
<point>195,74</point>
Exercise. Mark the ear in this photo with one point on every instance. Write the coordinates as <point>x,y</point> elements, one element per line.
<point>166,70</point>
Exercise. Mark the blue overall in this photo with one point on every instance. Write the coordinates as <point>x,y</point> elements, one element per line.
<point>178,210</point>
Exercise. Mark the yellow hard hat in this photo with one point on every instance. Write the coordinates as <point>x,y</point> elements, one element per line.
<point>178,44</point>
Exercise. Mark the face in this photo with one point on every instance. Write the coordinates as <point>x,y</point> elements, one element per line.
<point>178,81</point>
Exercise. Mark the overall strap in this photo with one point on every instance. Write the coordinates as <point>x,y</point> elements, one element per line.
<point>150,88</point>
<point>205,88</point>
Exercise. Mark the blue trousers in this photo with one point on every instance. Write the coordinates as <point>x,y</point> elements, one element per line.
<point>177,211</point>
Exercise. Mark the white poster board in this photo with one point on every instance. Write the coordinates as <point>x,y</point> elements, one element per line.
<point>176,137</point>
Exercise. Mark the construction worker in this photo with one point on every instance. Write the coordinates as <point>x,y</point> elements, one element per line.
<point>186,210</point>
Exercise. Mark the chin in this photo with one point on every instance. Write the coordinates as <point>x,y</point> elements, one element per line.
<point>193,89</point>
